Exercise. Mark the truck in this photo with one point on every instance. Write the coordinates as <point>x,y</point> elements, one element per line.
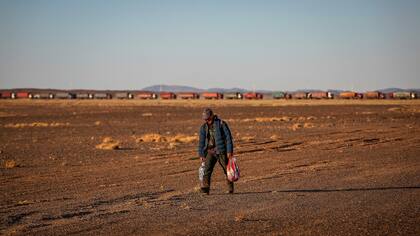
<point>404,95</point>
<point>63,95</point>
<point>167,95</point>
<point>350,95</point>
<point>300,95</point>
<point>279,95</point>
<point>188,95</point>
<point>20,95</point>
<point>253,95</point>
<point>5,95</point>
<point>374,95</point>
<point>212,95</point>
<point>321,95</point>
<point>147,95</point>
<point>123,95</point>
<point>41,96</point>
<point>84,96</point>
<point>235,95</point>
<point>102,96</point>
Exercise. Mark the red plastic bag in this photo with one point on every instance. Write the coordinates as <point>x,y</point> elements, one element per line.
<point>232,170</point>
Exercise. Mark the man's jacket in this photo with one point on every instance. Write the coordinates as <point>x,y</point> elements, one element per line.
<point>223,138</point>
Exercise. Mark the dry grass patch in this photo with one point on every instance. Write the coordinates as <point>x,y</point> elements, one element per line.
<point>262,119</point>
<point>36,124</point>
<point>366,113</point>
<point>25,202</point>
<point>185,206</point>
<point>6,114</point>
<point>296,126</point>
<point>240,216</point>
<point>414,109</point>
<point>272,119</point>
<point>10,164</point>
<point>149,138</point>
<point>247,138</point>
<point>108,144</point>
<point>395,109</point>
<point>308,125</point>
<point>173,141</point>
<point>179,138</point>
<point>58,124</point>
<point>173,145</point>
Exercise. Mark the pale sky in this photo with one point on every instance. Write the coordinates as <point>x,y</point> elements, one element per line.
<point>275,45</point>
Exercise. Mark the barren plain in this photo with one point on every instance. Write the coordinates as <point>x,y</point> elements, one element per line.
<point>130,168</point>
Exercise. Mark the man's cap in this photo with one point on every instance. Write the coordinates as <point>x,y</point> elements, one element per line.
<point>207,113</point>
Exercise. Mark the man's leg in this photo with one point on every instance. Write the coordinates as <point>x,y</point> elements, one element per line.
<point>223,161</point>
<point>208,170</point>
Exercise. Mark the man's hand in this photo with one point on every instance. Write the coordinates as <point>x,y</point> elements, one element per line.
<point>202,159</point>
<point>230,155</point>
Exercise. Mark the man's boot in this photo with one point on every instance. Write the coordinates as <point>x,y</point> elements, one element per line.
<point>230,187</point>
<point>205,188</point>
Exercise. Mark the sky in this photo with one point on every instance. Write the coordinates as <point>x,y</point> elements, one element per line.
<point>274,45</point>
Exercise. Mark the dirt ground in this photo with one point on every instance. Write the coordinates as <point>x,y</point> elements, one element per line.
<point>307,168</point>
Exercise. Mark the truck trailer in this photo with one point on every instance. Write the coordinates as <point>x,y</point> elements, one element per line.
<point>211,95</point>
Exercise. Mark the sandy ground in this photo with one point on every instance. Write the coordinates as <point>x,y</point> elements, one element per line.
<point>307,168</point>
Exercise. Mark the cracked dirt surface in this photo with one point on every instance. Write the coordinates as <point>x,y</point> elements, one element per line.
<point>354,170</point>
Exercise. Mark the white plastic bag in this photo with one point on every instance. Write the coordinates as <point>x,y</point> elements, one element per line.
<point>201,172</point>
<point>232,170</point>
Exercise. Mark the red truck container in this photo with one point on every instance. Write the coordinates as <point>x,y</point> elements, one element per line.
<point>6,95</point>
<point>188,95</point>
<point>253,96</point>
<point>147,95</point>
<point>167,95</point>
<point>210,95</point>
<point>350,95</point>
<point>22,95</point>
<point>321,95</point>
<point>374,95</point>
<point>300,95</point>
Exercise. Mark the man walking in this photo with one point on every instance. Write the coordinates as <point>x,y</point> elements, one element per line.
<point>214,145</point>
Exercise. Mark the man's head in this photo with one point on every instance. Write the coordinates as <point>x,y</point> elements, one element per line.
<point>208,115</point>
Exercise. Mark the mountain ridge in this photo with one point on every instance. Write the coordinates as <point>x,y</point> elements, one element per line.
<point>182,88</point>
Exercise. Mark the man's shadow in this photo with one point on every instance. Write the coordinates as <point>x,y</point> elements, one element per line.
<point>333,190</point>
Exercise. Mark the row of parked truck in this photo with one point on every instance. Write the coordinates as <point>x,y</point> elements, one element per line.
<point>208,95</point>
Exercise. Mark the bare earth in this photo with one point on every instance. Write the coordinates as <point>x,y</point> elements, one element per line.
<point>307,168</point>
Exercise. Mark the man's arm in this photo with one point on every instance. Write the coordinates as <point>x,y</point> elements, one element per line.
<point>228,137</point>
<point>201,142</point>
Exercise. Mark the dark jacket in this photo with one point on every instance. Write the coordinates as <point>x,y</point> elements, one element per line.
<point>223,138</point>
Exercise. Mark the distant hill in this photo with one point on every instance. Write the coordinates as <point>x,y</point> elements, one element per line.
<point>390,90</point>
<point>172,88</point>
<point>223,90</point>
<point>180,88</point>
